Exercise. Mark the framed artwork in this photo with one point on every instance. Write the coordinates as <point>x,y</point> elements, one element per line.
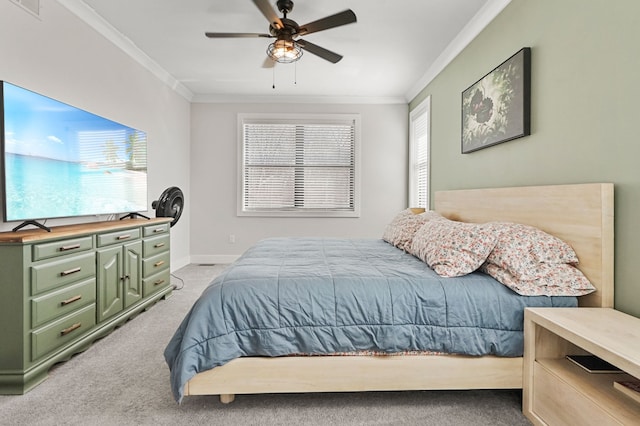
<point>497,108</point>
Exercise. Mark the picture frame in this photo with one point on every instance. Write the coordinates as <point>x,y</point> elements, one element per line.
<point>497,108</point>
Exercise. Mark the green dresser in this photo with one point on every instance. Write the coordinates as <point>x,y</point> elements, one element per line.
<point>61,290</point>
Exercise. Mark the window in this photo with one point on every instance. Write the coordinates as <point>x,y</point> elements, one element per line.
<point>419,158</point>
<point>303,165</point>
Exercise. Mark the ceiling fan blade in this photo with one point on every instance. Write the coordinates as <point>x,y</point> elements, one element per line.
<point>268,12</point>
<point>342,18</point>
<point>237,35</point>
<point>268,63</point>
<point>319,51</point>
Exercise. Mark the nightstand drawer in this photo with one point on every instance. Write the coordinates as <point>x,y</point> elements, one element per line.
<point>61,272</point>
<point>156,229</point>
<point>62,331</point>
<point>156,282</point>
<point>62,302</point>
<point>118,237</point>
<point>557,403</point>
<point>155,264</point>
<point>61,248</point>
<point>155,245</point>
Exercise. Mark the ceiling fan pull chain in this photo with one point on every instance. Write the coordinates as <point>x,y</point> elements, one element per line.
<point>295,73</point>
<point>274,77</point>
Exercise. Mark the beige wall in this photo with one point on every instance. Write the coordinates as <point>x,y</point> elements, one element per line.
<point>61,57</point>
<point>214,171</point>
<point>585,97</point>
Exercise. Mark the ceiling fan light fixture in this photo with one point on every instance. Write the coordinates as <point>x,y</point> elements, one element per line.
<point>284,51</point>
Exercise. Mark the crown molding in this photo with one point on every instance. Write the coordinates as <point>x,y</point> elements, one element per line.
<point>479,22</point>
<point>277,99</point>
<point>98,23</point>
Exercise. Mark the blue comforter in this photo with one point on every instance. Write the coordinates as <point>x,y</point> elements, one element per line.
<point>315,296</point>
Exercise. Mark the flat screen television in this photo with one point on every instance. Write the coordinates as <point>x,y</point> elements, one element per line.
<point>61,161</point>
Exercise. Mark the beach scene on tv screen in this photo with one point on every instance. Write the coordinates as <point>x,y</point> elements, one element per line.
<point>62,161</point>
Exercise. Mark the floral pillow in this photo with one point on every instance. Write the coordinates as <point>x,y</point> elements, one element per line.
<point>552,280</point>
<point>452,248</point>
<point>521,249</point>
<point>400,231</point>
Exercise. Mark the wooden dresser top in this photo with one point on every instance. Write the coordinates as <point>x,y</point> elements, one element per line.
<point>37,234</point>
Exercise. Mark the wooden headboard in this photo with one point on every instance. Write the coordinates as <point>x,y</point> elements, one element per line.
<point>581,215</point>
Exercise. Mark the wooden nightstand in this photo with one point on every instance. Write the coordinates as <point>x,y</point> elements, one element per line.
<point>558,392</point>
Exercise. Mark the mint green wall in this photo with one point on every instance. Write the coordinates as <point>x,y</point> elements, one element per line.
<point>585,112</point>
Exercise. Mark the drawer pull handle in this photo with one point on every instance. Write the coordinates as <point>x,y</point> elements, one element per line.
<point>73,247</point>
<point>158,230</point>
<point>158,282</point>
<point>160,263</point>
<point>70,329</point>
<point>70,271</point>
<point>71,300</point>
<point>124,237</point>
<point>159,245</point>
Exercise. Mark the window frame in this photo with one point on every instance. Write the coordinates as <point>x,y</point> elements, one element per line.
<point>299,118</point>
<point>422,110</point>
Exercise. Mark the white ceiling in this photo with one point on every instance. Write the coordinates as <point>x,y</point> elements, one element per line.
<point>393,50</point>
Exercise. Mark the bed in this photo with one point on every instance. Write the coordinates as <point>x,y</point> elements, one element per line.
<point>581,215</point>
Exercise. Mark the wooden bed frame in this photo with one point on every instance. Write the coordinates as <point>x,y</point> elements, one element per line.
<point>581,215</point>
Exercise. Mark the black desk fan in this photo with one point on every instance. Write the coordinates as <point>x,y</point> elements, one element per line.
<point>170,204</point>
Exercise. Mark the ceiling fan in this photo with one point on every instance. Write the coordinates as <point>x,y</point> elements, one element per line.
<point>288,46</point>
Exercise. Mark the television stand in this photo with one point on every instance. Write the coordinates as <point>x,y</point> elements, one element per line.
<point>62,290</point>
<point>134,215</point>
<point>31,222</point>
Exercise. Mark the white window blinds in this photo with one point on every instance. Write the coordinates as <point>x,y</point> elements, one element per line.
<point>419,158</point>
<point>302,166</point>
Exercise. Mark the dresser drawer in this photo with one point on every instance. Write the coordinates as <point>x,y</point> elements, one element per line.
<point>118,237</point>
<point>62,302</point>
<point>156,282</point>
<point>62,331</point>
<point>61,248</point>
<point>50,275</point>
<point>155,245</point>
<point>156,229</point>
<point>155,264</point>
